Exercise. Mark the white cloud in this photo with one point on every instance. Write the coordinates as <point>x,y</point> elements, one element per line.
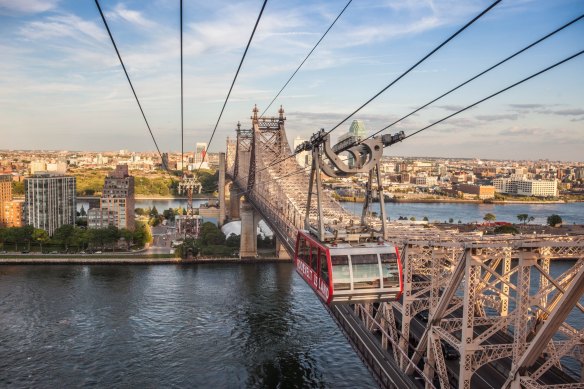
<point>135,17</point>
<point>27,6</point>
<point>63,26</point>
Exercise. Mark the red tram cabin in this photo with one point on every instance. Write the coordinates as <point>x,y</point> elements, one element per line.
<point>349,273</point>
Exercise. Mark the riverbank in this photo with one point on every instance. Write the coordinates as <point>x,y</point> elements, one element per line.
<point>157,259</point>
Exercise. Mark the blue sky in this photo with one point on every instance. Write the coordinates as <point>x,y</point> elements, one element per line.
<point>61,86</point>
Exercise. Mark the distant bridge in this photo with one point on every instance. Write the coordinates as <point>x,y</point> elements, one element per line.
<point>494,303</point>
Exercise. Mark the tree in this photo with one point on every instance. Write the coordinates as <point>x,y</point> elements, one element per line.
<point>154,211</point>
<point>523,217</point>
<point>426,218</point>
<point>233,240</point>
<point>140,211</point>
<point>168,214</point>
<point>554,220</point>
<point>142,234</point>
<point>40,236</point>
<point>489,217</point>
<point>82,212</point>
<point>505,230</point>
<point>451,220</point>
<point>64,235</point>
<point>128,237</point>
<point>530,219</point>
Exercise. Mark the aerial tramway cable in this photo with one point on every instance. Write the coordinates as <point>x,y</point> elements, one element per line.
<point>485,11</point>
<point>129,81</point>
<point>233,82</point>
<point>457,112</point>
<point>474,77</point>
<point>182,121</point>
<point>305,58</point>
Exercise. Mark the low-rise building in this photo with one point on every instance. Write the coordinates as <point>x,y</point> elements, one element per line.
<point>483,192</point>
<point>524,187</point>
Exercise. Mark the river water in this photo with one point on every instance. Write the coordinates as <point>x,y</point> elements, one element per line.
<point>212,326</point>
<point>465,212</point>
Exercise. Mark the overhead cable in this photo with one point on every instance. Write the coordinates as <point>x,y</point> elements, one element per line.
<point>497,93</point>
<point>233,82</point>
<point>129,81</point>
<point>305,58</point>
<point>416,64</point>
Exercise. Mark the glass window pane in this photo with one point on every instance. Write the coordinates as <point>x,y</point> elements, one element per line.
<point>390,270</point>
<point>314,258</point>
<point>323,267</point>
<point>341,274</point>
<point>365,271</point>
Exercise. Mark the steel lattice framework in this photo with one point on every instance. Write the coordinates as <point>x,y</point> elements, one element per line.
<point>496,300</point>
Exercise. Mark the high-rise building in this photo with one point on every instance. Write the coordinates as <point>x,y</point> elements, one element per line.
<point>49,201</point>
<point>5,187</point>
<point>117,201</point>
<point>357,131</point>
<point>199,157</point>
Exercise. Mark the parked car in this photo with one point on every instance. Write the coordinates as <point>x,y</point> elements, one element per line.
<point>25,252</point>
<point>54,252</point>
<point>98,252</point>
<point>3,252</point>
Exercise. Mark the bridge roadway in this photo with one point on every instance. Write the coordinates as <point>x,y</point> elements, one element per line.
<point>491,375</point>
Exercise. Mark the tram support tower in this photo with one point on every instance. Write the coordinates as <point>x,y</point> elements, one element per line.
<point>187,186</point>
<point>326,159</point>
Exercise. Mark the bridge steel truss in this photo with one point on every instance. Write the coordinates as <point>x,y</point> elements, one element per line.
<point>496,301</point>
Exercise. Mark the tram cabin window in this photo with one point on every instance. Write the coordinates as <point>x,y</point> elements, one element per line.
<point>314,258</point>
<point>390,269</point>
<point>323,267</point>
<point>302,249</point>
<point>341,274</point>
<point>365,271</point>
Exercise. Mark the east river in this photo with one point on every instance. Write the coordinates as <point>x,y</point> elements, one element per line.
<point>212,326</point>
<point>465,212</point>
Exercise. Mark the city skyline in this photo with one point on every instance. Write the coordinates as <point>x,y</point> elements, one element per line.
<point>63,88</point>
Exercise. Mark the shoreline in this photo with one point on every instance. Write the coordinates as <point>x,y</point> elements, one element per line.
<point>132,261</point>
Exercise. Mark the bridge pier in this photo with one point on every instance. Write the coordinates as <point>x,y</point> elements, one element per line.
<point>281,252</point>
<point>234,203</point>
<point>250,219</point>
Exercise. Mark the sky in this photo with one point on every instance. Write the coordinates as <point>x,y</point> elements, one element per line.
<point>62,87</point>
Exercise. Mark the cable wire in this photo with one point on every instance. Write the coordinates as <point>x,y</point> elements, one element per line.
<point>182,121</point>
<point>233,82</point>
<point>129,81</point>
<point>416,64</point>
<point>308,55</point>
<point>397,79</point>
<point>496,93</point>
<point>473,78</point>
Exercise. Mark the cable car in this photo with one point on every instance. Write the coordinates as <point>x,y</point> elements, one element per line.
<point>349,272</point>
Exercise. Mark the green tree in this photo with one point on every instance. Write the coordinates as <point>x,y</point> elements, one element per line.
<point>425,218</point>
<point>128,237</point>
<point>233,240</point>
<point>26,233</point>
<point>168,214</point>
<point>64,235</point>
<point>82,212</point>
<point>554,220</point>
<point>489,217</point>
<point>140,211</point>
<point>505,230</point>
<point>40,236</point>
<point>142,234</point>
<point>451,220</point>
<point>523,217</point>
<point>153,211</point>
